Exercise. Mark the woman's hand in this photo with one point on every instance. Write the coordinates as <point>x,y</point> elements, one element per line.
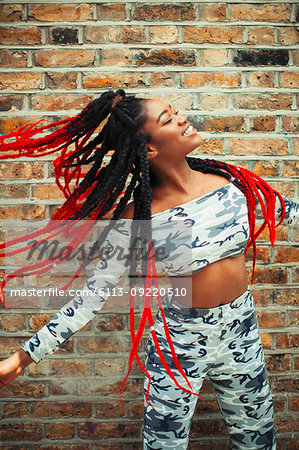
<point>13,366</point>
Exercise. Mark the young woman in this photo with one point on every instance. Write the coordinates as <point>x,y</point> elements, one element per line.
<point>206,206</point>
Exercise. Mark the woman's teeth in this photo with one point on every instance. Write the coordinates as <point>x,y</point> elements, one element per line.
<point>188,131</point>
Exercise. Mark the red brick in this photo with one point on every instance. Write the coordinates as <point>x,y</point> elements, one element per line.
<point>100,386</point>
<point>290,168</point>
<point>270,146</point>
<point>58,102</point>
<point>27,170</point>
<point>13,191</point>
<point>163,34</point>
<point>20,80</point>
<point>15,409</point>
<point>56,13</point>
<point>262,101</point>
<point>11,102</point>
<point>294,404</point>
<point>295,146</point>
<point>286,424</point>
<point>110,430</point>
<point>18,389</point>
<point>11,13</point>
<point>212,12</point>
<point>266,168</point>
<point>65,58</point>
<point>266,340</point>
<point>261,35</point>
<point>212,79</point>
<point>263,254</point>
<point>12,322</point>
<point>13,124</point>
<point>227,124</point>
<point>278,363</point>
<point>112,12</point>
<point>287,255</point>
<point>211,146</point>
<point>62,409</point>
<point>66,80</point>
<point>263,123</point>
<point>213,101</point>
<point>262,13</point>
<point>114,80</point>
<point>269,319</point>
<point>114,34</point>
<point>288,36</point>
<point>109,322</point>
<point>194,34</point>
<point>24,212</point>
<point>36,322</point>
<point>261,79</point>
<point>116,57</point>
<point>289,80</point>
<point>290,124</point>
<point>20,432</point>
<point>59,368</point>
<point>60,430</point>
<point>110,409</point>
<point>207,427</point>
<point>166,57</point>
<point>104,344</point>
<point>20,36</point>
<point>110,367</point>
<point>288,341</point>
<point>14,58</point>
<point>164,79</point>
<point>147,12</point>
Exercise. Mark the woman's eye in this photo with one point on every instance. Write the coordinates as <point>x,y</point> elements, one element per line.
<point>169,120</point>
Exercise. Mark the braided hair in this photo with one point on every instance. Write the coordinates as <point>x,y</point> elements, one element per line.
<point>112,125</point>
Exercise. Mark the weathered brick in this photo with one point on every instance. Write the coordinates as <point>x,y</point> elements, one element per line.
<point>104,344</point>
<point>100,386</point>
<point>62,409</point>
<point>288,341</point>
<point>211,34</point>
<point>294,319</point>
<point>150,12</point>
<point>20,432</point>
<point>215,57</point>
<point>263,123</point>
<point>211,146</point>
<point>115,34</point>
<point>288,36</point>
<point>290,168</point>
<point>116,57</point>
<point>112,12</point>
<point>268,319</point>
<point>108,367</point>
<point>290,124</point>
<point>260,13</point>
<point>212,12</point>
<point>261,58</point>
<point>289,80</point>
<point>212,79</point>
<point>12,322</point>
<point>109,430</point>
<point>15,409</point>
<point>13,191</point>
<point>20,80</point>
<point>23,212</point>
<point>294,404</point>
<point>165,79</point>
<point>57,102</point>
<point>285,384</point>
<point>109,322</point>
<point>12,170</point>
<point>263,254</point>
<point>213,102</point>
<point>7,125</point>
<point>268,146</point>
<point>261,79</point>
<point>36,322</point>
<point>224,124</point>
<point>63,36</point>
<point>278,362</point>
<point>206,427</point>
<point>60,430</point>
<point>113,80</point>
<point>266,168</point>
<point>11,13</point>
<point>14,58</point>
<point>164,34</point>
<point>270,275</point>
<point>64,58</point>
<point>20,36</point>
<point>25,389</point>
<point>286,424</point>
<point>67,80</point>
<point>11,102</point>
<point>204,444</point>
<point>287,255</point>
<point>60,368</point>
<point>262,101</point>
<point>58,13</point>
<point>261,35</point>
<point>266,340</point>
<point>166,57</point>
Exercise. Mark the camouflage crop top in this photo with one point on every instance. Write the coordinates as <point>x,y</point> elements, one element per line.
<point>192,235</point>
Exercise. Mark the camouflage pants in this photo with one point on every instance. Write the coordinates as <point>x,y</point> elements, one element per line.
<point>223,343</point>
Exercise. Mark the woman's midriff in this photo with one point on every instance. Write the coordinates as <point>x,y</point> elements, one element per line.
<point>218,283</point>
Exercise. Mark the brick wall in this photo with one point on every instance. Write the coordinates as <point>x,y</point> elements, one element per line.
<point>231,67</point>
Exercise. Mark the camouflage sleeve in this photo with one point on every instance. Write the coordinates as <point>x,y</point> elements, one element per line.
<point>291,209</point>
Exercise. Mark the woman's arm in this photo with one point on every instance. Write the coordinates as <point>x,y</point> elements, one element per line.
<point>78,311</point>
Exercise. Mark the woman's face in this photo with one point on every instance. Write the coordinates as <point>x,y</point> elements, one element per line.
<point>171,135</point>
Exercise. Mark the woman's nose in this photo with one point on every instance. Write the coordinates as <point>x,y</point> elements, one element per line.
<point>181,119</point>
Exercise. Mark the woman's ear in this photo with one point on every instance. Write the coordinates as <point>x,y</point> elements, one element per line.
<point>151,151</point>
